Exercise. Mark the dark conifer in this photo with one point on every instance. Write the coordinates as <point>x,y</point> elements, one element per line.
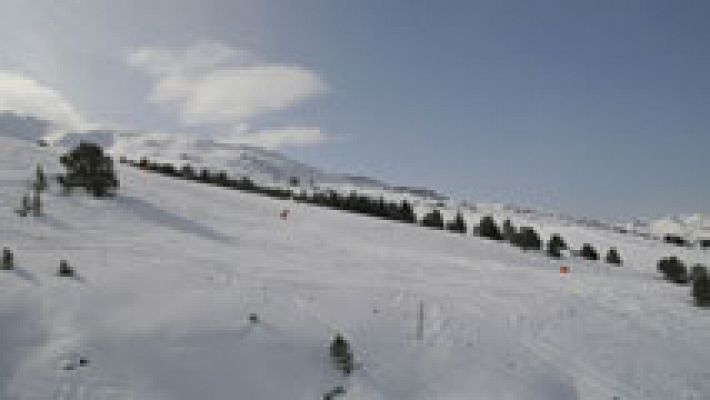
<point>487,228</point>
<point>613,257</point>
<point>458,224</point>
<point>589,252</point>
<point>528,239</point>
<point>88,167</point>
<point>701,286</point>
<point>433,220</point>
<point>673,269</point>
<point>341,355</point>
<point>508,231</point>
<point>8,259</point>
<point>555,246</point>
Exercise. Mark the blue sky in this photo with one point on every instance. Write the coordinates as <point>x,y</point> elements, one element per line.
<point>597,108</point>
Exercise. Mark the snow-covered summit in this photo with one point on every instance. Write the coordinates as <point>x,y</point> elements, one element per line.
<point>201,152</point>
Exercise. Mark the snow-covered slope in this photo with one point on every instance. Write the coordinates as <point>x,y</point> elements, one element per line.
<point>170,270</point>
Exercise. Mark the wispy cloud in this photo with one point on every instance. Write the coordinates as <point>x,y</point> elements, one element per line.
<point>24,95</point>
<point>213,83</point>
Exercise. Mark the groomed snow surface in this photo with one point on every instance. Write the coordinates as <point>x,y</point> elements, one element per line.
<point>169,272</point>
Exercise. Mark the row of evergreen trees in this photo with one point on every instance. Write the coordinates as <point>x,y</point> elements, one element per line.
<point>219,178</point>
<point>675,271</point>
<point>353,202</point>
<point>358,203</point>
<point>524,237</point>
<point>527,238</point>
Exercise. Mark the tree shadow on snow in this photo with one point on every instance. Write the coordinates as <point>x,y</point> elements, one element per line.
<point>53,222</point>
<point>152,213</point>
<point>26,275</point>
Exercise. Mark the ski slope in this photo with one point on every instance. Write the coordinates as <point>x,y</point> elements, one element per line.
<point>169,271</point>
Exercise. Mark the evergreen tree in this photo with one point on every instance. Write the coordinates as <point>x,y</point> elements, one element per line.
<point>701,287</point>
<point>589,252</point>
<point>528,239</point>
<point>433,220</point>
<point>406,212</point>
<point>341,355</point>
<point>487,228</point>
<point>25,207</point>
<point>221,178</point>
<point>65,270</point>
<point>458,224</point>
<point>36,204</point>
<point>698,271</point>
<point>187,172</point>
<point>40,179</point>
<point>559,241</point>
<point>673,269</point>
<point>555,246</point>
<point>8,260</point>
<point>205,175</point>
<point>143,163</point>
<point>508,231</point>
<point>613,257</point>
<point>88,167</point>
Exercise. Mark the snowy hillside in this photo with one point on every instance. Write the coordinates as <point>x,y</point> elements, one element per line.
<point>236,159</point>
<point>170,271</point>
<point>693,227</point>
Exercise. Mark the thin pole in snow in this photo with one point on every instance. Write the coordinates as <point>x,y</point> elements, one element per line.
<point>420,322</point>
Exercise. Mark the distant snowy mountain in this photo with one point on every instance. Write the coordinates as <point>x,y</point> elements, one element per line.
<point>23,127</point>
<point>259,164</point>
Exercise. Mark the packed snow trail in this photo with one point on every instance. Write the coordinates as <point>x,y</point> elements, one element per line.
<point>171,271</point>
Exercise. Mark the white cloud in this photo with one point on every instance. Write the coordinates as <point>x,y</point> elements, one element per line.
<point>235,95</point>
<point>202,55</point>
<point>26,96</point>
<point>213,83</point>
